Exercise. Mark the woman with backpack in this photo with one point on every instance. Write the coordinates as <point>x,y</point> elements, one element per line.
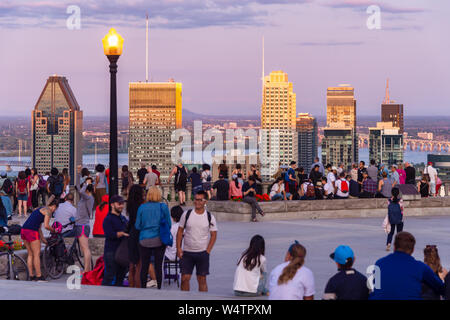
<point>22,191</point>
<point>251,271</point>
<point>395,216</point>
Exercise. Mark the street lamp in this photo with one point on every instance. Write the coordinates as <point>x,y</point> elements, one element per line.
<point>113,46</point>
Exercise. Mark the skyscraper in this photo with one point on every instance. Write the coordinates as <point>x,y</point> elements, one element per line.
<point>392,111</point>
<point>57,125</point>
<point>340,143</point>
<point>155,112</point>
<point>278,119</point>
<point>307,133</point>
<point>386,144</point>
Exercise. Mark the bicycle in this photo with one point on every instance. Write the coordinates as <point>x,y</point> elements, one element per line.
<point>12,267</point>
<point>57,257</point>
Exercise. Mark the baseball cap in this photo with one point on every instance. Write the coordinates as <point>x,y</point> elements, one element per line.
<point>342,254</point>
<point>117,198</point>
<point>430,163</point>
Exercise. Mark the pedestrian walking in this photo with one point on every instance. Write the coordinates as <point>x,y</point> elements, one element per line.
<point>395,216</point>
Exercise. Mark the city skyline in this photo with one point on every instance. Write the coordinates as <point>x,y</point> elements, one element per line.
<point>200,50</point>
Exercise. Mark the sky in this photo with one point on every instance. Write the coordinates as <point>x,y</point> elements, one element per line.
<point>214,47</point>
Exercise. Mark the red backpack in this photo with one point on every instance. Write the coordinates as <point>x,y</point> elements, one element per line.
<point>95,276</point>
<point>344,186</point>
<point>22,186</point>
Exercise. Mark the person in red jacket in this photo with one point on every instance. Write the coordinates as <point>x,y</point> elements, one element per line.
<point>100,213</point>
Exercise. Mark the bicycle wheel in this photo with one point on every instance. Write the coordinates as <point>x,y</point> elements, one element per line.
<point>19,267</point>
<point>53,266</point>
<point>4,266</point>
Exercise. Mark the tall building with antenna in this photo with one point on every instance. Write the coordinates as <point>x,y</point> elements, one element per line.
<point>392,111</point>
<point>155,112</point>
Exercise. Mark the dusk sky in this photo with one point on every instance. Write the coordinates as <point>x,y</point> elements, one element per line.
<point>214,48</point>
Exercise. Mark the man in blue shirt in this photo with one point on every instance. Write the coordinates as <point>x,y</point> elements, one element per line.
<point>317,162</point>
<point>401,276</point>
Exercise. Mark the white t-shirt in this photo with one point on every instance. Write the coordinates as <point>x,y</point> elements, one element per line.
<point>328,188</point>
<point>248,281</point>
<point>205,175</point>
<point>338,186</point>
<point>302,285</point>
<point>432,172</point>
<point>171,252</point>
<point>197,232</point>
<point>276,189</point>
<point>330,179</point>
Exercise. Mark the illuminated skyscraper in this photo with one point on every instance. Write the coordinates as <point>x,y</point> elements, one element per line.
<point>307,133</point>
<point>57,125</point>
<point>155,112</point>
<point>278,119</point>
<point>392,111</point>
<point>386,144</point>
<point>341,106</point>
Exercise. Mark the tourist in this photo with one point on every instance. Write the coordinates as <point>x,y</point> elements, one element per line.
<point>155,171</point>
<point>65,214</point>
<point>340,169</point>
<point>395,176</point>
<point>7,187</point>
<point>410,174</point>
<point>401,174</point>
<point>66,179</point>
<point>34,188</point>
<point>136,197</point>
<point>354,173</point>
<point>223,170</point>
<point>206,179</point>
<point>7,204</point>
<point>254,172</point>
<point>221,189</point>
<point>248,193</point>
<point>101,211</point>
<point>250,276</point>
<point>315,174</point>
<point>432,259</point>
<point>353,186</point>
<point>342,187</point>
<point>302,176</point>
<point>22,191</point>
<point>196,181</point>
<point>277,191</point>
<point>433,178</point>
<point>180,181</point>
<point>291,178</point>
<point>308,190</point>
<point>32,236</point>
<point>331,181</point>
<point>240,179</point>
<point>127,180</point>
<point>100,184</point>
<point>150,180</point>
<point>384,186</point>
<point>328,189</point>
<point>423,186</point>
<point>395,216</point>
<point>348,283</point>
<point>148,222</point>
<point>280,172</point>
<point>114,225</point>
<point>237,170</point>
<point>369,187</point>
<point>372,170</point>
<point>361,170</point>
<point>401,276</point>
<point>141,173</point>
<point>200,233</point>
<point>175,213</point>
<point>83,216</point>
<point>42,188</point>
<point>318,163</point>
<point>319,193</point>
<point>85,174</point>
<point>236,187</point>
<point>291,280</point>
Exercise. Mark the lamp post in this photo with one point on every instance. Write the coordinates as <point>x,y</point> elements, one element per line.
<point>113,46</point>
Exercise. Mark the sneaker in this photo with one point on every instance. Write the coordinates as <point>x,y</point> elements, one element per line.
<point>41,279</point>
<point>152,284</point>
<point>262,213</point>
<point>388,247</point>
<point>32,278</point>
<point>254,220</point>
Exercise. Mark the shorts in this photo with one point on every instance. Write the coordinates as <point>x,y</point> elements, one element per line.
<point>82,230</point>
<point>196,189</point>
<point>29,235</point>
<point>180,186</point>
<point>206,186</point>
<point>199,260</point>
<point>22,197</point>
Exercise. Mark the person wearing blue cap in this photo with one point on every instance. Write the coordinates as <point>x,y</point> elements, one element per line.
<point>347,284</point>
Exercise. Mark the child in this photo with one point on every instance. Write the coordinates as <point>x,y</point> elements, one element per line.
<point>395,215</point>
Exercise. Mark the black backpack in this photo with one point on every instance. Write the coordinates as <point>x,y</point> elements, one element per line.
<point>8,186</point>
<point>188,213</point>
<point>56,186</point>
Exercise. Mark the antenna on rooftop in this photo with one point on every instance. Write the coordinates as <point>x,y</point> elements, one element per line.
<point>386,97</point>
<point>146,48</point>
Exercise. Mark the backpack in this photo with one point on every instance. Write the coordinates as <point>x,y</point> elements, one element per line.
<point>57,186</point>
<point>8,186</point>
<point>310,190</point>
<point>14,229</point>
<point>22,186</point>
<point>188,213</point>
<point>182,174</point>
<point>344,186</point>
<point>394,213</point>
<point>42,184</point>
<point>95,276</point>
<point>208,178</point>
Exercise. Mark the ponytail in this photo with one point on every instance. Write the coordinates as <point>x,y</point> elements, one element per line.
<point>298,253</point>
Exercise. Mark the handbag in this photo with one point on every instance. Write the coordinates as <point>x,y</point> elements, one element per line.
<point>121,256</point>
<point>164,231</point>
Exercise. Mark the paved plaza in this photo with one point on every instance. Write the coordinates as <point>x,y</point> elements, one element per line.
<point>320,237</point>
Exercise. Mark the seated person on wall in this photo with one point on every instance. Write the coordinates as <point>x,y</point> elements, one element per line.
<point>308,191</point>
<point>328,189</point>
<point>221,189</point>
<point>319,190</point>
<point>277,191</point>
<point>369,187</point>
<point>342,187</point>
<point>354,187</point>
